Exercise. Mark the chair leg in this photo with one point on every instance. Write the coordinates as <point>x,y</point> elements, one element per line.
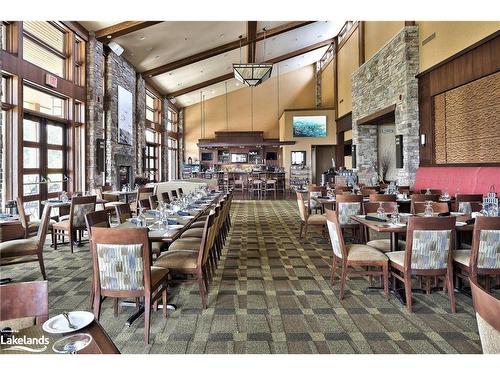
<point>202,289</point>
<point>343,280</point>
<point>54,235</point>
<point>164,300</point>
<point>97,304</point>
<point>408,292</point>
<point>115,306</point>
<point>385,270</point>
<point>42,266</point>
<point>147,316</point>
<point>71,238</point>
<point>451,291</point>
<point>334,270</point>
<point>301,227</point>
<point>305,231</point>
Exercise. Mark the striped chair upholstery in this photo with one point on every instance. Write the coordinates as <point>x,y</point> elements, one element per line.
<point>489,249</point>
<point>430,249</point>
<point>79,213</point>
<point>334,238</point>
<point>313,205</point>
<point>121,267</point>
<point>346,209</point>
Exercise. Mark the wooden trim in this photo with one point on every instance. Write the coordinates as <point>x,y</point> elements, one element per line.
<point>361,43</point>
<point>231,75</point>
<point>349,34</point>
<point>344,116</point>
<point>122,28</point>
<point>222,49</point>
<point>460,53</point>
<point>251,35</point>
<point>336,78</point>
<point>376,115</point>
<point>78,29</point>
<point>344,123</point>
<point>308,109</point>
<point>410,23</point>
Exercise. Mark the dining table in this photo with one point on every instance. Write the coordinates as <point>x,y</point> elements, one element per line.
<point>128,195</point>
<point>56,203</point>
<point>101,343</point>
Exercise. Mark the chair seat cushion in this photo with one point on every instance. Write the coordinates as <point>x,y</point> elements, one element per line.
<point>462,257</point>
<point>397,257</point>
<point>157,274</point>
<point>364,253</point>
<point>193,232</point>
<point>177,260</point>
<point>201,218</point>
<point>113,204</point>
<point>385,245</point>
<point>316,219</point>
<point>185,244</point>
<point>34,224</point>
<point>197,224</point>
<point>62,225</point>
<point>63,217</point>
<point>17,248</point>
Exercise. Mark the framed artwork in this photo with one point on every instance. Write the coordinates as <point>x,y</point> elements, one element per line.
<point>309,126</point>
<point>124,116</point>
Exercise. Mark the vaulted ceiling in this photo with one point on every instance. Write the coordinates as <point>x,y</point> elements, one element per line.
<point>182,59</point>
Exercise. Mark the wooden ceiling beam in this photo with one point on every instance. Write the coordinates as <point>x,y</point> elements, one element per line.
<point>251,35</point>
<point>223,48</point>
<point>122,28</point>
<point>275,60</point>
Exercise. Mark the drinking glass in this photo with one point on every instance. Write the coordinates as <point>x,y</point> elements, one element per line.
<point>493,210</point>
<point>395,218</point>
<point>428,192</point>
<point>72,344</point>
<point>380,211</point>
<point>484,210</point>
<point>429,211</point>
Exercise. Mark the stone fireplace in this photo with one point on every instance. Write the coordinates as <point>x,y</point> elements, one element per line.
<point>124,170</point>
<point>387,82</point>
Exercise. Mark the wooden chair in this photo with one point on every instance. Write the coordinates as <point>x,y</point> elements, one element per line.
<point>165,198</point>
<point>144,204</point>
<point>437,207</point>
<point>315,192</point>
<point>488,318</point>
<point>429,245</point>
<point>189,262</point>
<point>382,244</point>
<point>30,226</point>
<point>463,202</point>
<point>239,184</point>
<point>256,185</point>
<point>432,191</point>
<point>343,189</point>
<point>482,259</point>
<point>369,190</point>
<point>348,205</point>
<point>180,192</point>
<point>422,198</point>
<point>404,189</point>
<point>142,193</point>
<point>75,225</point>
<point>24,304</point>
<point>307,219</point>
<point>354,256</point>
<point>28,249</point>
<point>270,185</point>
<point>96,219</point>
<point>153,202</point>
<point>173,194</point>
<point>123,212</point>
<point>113,199</point>
<point>113,247</point>
<point>382,197</point>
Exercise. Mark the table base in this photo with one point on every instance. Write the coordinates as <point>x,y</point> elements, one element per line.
<point>140,310</point>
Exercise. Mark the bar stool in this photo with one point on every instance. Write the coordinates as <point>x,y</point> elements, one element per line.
<point>239,184</point>
<point>257,187</point>
<point>271,185</point>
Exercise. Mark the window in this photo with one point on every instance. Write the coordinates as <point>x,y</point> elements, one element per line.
<point>6,31</point>
<point>79,62</point>
<point>79,112</point>
<point>152,155</point>
<point>171,120</point>
<point>153,108</point>
<point>39,101</point>
<point>44,45</point>
<point>172,158</point>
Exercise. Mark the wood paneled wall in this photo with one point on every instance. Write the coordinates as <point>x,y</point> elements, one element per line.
<point>478,61</point>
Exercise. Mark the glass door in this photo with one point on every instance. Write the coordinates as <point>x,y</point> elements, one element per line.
<point>44,161</point>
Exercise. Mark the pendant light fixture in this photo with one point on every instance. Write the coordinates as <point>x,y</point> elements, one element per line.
<point>252,74</point>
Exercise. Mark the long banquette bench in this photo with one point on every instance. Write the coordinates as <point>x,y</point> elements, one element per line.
<point>464,180</point>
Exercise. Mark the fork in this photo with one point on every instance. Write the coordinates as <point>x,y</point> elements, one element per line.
<point>66,316</point>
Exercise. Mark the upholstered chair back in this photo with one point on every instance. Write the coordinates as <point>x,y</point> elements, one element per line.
<point>123,212</point>
<point>422,198</point>
<point>382,197</point>
<point>208,233</point>
<point>44,226</point>
<point>488,323</point>
<point>372,207</point>
<point>22,212</point>
<point>335,232</point>
<point>153,202</point>
<point>485,253</point>
<point>303,211</point>
<point>348,205</point>
<point>97,219</point>
<point>437,207</point>
<point>429,242</point>
<point>81,206</point>
<point>464,202</point>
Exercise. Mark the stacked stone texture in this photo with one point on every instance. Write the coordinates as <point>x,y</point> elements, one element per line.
<point>386,79</point>
<point>140,122</point>
<point>1,136</point>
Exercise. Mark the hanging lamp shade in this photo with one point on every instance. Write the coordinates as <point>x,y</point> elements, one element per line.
<point>252,74</point>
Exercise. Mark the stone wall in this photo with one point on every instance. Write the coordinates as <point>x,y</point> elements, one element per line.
<point>95,109</point>
<point>2,192</point>
<point>386,79</point>
<point>140,120</point>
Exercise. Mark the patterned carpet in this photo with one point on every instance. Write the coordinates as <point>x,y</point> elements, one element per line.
<point>270,294</point>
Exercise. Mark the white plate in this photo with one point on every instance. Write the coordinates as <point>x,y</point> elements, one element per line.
<point>460,223</point>
<point>400,225</point>
<point>58,324</point>
<point>173,227</point>
<point>404,214</point>
<point>457,213</point>
<point>187,217</point>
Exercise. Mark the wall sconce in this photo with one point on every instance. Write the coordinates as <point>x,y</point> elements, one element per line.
<point>422,139</point>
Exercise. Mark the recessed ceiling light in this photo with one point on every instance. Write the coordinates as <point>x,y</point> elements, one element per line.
<point>212,91</point>
<point>157,57</point>
<point>225,55</point>
<point>170,73</point>
<point>142,38</point>
<point>221,36</point>
<point>237,83</point>
<point>179,84</point>
<point>320,36</point>
<point>149,49</point>
<point>186,38</point>
<point>201,71</point>
<point>131,54</point>
<point>109,37</point>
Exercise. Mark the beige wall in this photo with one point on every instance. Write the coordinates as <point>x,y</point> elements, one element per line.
<point>301,143</point>
<point>378,33</point>
<point>451,37</point>
<point>348,60</point>
<point>327,84</point>
<point>296,91</point>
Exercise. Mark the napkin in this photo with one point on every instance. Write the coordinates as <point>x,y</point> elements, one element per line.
<point>171,221</point>
<point>444,214</point>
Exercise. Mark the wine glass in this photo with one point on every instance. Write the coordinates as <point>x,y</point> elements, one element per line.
<point>395,218</point>
<point>428,192</point>
<point>72,344</point>
<point>380,211</point>
<point>429,211</point>
<point>484,210</point>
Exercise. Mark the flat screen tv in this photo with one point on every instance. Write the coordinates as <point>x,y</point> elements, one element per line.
<point>309,126</point>
<point>271,155</point>
<point>206,156</point>
<point>239,158</point>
